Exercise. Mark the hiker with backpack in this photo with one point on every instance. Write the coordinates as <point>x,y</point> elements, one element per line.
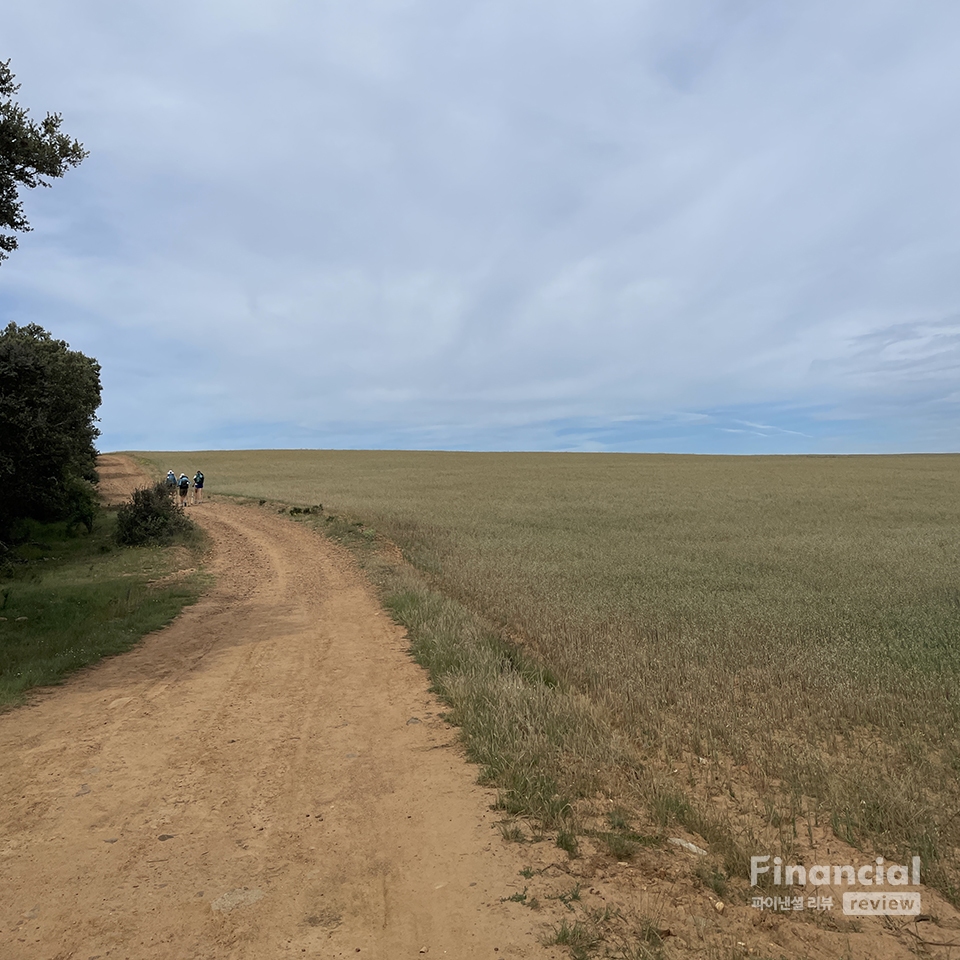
<point>197,487</point>
<point>183,484</point>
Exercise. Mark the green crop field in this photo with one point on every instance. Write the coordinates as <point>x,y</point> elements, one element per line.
<point>759,648</point>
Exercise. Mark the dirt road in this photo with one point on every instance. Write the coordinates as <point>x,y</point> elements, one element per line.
<point>267,777</point>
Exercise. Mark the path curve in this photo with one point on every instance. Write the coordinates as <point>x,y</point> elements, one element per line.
<point>266,777</point>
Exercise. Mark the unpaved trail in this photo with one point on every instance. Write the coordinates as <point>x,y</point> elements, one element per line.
<point>267,777</point>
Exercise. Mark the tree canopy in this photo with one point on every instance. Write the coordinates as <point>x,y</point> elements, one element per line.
<point>29,152</point>
<point>49,395</point>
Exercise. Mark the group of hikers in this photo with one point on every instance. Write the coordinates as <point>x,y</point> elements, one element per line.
<point>181,486</point>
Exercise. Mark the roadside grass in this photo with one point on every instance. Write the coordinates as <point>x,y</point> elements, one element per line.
<point>67,601</point>
<point>761,650</point>
<point>628,937</point>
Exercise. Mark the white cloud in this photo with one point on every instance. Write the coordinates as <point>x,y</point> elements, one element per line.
<point>426,218</point>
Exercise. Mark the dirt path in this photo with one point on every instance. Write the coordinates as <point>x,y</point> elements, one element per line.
<point>267,777</point>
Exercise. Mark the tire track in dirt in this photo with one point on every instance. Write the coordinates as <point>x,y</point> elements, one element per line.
<point>246,784</point>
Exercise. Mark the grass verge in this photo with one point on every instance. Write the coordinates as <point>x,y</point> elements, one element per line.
<point>67,601</point>
<point>537,742</point>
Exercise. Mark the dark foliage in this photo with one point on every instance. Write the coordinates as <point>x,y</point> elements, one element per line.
<point>49,395</point>
<point>29,151</point>
<point>150,516</point>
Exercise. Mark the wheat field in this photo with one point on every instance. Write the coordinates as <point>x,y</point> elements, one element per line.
<point>773,643</point>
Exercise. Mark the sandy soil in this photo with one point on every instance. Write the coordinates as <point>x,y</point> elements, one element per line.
<point>267,777</point>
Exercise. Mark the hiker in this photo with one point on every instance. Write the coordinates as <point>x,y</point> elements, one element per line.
<point>184,484</point>
<point>171,481</point>
<point>197,487</point>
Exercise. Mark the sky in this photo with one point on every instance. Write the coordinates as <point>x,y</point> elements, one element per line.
<point>665,226</point>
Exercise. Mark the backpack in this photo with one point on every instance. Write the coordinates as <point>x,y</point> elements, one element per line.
<point>184,483</point>
<point>198,478</point>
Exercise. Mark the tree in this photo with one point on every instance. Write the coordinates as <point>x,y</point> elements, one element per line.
<point>29,152</point>
<point>49,395</point>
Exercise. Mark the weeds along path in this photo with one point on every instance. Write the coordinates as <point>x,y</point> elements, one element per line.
<point>267,777</point>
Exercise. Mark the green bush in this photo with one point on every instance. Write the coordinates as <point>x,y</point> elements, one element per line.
<point>150,516</point>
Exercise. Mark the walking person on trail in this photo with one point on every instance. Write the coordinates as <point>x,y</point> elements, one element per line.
<point>171,481</point>
<point>197,487</point>
<point>184,484</point>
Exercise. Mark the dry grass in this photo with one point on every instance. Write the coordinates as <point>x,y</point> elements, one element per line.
<point>773,643</point>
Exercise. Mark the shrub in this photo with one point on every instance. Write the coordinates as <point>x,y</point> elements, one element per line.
<point>150,516</point>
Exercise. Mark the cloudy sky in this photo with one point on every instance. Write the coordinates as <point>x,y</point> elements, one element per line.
<point>651,225</point>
